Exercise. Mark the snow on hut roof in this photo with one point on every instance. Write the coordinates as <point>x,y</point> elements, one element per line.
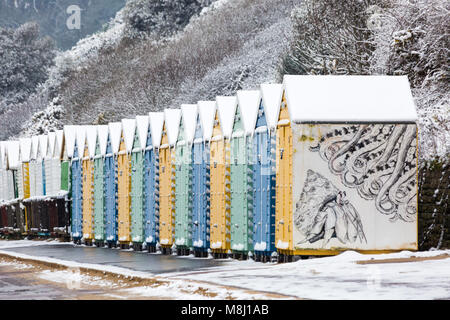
<point>271,97</point>
<point>58,144</point>
<point>51,144</point>
<point>81,140</point>
<point>91,137</point>
<point>43,145</point>
<point>207,111</point>
<point>142,123</point>
<point>3,154</point>
<point>129,128</point>
<point>189,115</point>
<point>248,102</point>
<point>227,110</point>
<point>70,135</point>
<point>25,149</point>
<point>156,126</point>
<point>172,120</point>
<point>102,136</point>
<point>349,99</point>
<point>34,146</point>
<point>115,132</point>
<point>13,151</point>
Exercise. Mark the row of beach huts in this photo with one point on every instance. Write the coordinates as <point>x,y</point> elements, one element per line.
<point>312,166</point>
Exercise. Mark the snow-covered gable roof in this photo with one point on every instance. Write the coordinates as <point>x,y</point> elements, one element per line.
<point>271,97</point>
<point>189,113</point>
<point>129,129</point>
<point>3,162</point>
<point>43,145</point>
<point>102,136</point>
<point>81,140</point>
<point>25,149</point>
<point>70,135</point>
<point>13,151</point>
<point>57,152</point>
<point>91,139</point>
<point>227,110</point>
<point>51,144</point>
<point>172,121</point>
<point>142,123</point>
<point>115,132</point>
<point>34,147</point>
<point>207,111</point>
<point>156,126</point>
<point>349,99</point>
<point>248,104</point>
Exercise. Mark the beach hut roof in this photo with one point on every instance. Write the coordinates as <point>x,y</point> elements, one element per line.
<point>129,129</point>
<point>3,155</point>
<point>189,117</point>
<point>57,152</point>
<point>342,99</point>
<point>207,111</point>
<point>81,140</point>
<point>70,135</point>
<point>227,109</point>
<point>172,121</point>
<point>91,138</point>
<point>115,132</point>
<point>142,123</point>
<point>13,151</point>
<point>43,145</point>
<point>271,97</point>
<point>102,136</point>
<point>51,144</point>
<point>248,102</point>
<point>156,126</point>
<point>25,149</point>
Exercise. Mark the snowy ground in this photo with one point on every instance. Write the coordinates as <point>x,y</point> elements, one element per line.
<point>350,275</point>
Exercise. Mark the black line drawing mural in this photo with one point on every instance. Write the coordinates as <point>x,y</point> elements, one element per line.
<point>323,212</point>
<point>379,160</point>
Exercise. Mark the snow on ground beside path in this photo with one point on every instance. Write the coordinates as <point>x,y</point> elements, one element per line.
<point>72,278</point>
<point>8,244</point>
<point>74,265</point>
<point>182,290</point>
<point>162,288</point>
<point>20,266</point>
<point>340,277</point>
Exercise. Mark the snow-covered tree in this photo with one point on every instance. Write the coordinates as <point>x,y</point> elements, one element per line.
<point>160,17</point>
<point>24,61</point>
<point>412,38</point>
<point>330,37</point>
<point>401,37</point>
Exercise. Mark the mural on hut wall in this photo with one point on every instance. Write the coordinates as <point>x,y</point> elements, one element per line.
<point>323,212</point>
<point>378,161</point>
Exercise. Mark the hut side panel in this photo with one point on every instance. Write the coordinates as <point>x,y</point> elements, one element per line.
<point>354,186</point>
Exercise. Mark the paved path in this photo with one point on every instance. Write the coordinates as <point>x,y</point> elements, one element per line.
<point>24,285</point>
<point>138,261</point>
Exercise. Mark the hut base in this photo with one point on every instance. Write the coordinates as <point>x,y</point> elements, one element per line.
<point>112,244</point>
<point>240,255</point>
<point>183,251</point>
<point>219,254</point>
<point>198,253</point>
<point>166,250</point>
<point>99,243</point>
<point>261,256</point>
<point>124,246</point>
